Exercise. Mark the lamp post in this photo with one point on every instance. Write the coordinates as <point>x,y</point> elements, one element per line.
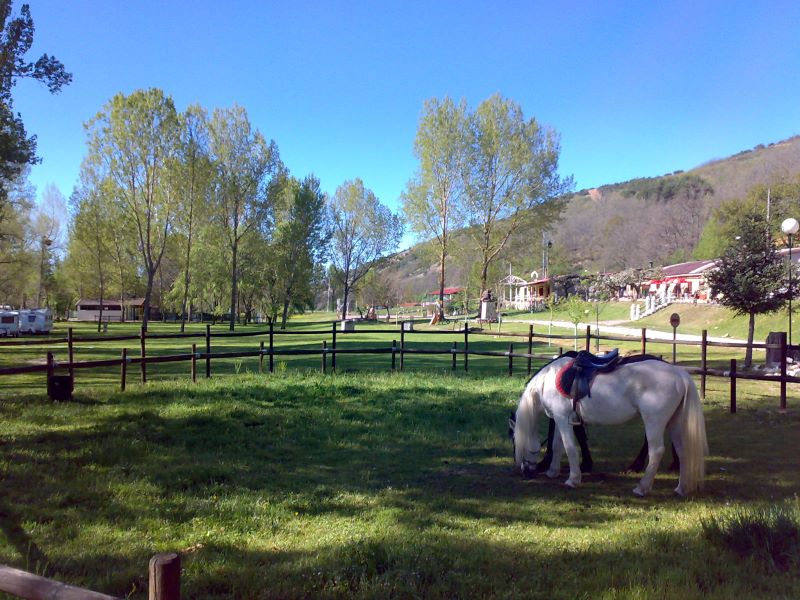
<point>790,227</point>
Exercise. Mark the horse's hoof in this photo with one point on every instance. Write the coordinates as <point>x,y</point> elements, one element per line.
<point>639,492</point>
<point>570,484</point>
<point>552,474</point>
<point>679,491</point>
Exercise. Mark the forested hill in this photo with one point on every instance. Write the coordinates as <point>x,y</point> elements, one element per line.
<point>620,225</point>
<point>660,219</point>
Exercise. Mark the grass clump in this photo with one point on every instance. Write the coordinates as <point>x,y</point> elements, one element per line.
<point>767,533</point>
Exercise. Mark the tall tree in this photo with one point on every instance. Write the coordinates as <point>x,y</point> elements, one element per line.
<point>431,199</point>
<point>192,171</point>
<point>131,142</point>
<point>49,220</point>
<point>362,230</point>
<point>750,276</point>
<point>244,166</point>
<point>511,168</point>
<point>88,255</point>
<point>299,242</point>
<point>16,39</point>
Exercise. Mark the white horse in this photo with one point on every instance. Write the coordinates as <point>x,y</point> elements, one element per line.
<point>663,394</point>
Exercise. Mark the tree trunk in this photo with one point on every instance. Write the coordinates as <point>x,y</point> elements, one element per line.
<point>751,328</point>
<point>484,276</point>
<point>285,314</point>
<point>147,295</point>
<point>442,257</point>
<point>345,298</point>
<point>234,282</point>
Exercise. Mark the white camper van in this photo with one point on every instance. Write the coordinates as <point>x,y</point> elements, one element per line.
<point>9,323</point>
<point>36,320</point>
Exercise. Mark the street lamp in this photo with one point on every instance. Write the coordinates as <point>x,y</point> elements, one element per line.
<point>790,227</point>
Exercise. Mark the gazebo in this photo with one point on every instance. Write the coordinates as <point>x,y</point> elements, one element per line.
<point>519,294</point>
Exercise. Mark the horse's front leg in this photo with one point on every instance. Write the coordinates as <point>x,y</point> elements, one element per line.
<point>570,444</point>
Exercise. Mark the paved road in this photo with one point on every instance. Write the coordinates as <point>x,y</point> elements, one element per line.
<point>627,331</point>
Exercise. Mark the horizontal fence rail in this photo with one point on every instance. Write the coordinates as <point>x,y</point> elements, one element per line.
<point>268,350</point>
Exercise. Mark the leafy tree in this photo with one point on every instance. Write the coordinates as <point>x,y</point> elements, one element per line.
<point>192,173</point>
<point>244,167</point>
<point>432,198</point>
<point>16,39</point>
<point>750,277</point>
<point>362,230</point>
<point>49,219</point>
<point>511,167</point>
<point>16,261</point>
<point>299,243</point>
<point>577,310</point>
<point>378,289</point>
<point>131,143</point>
<point>88,254</point>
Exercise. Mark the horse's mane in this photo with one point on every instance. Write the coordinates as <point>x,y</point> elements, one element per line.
<point>634,358</point>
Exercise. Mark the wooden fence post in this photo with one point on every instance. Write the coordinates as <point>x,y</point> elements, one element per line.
<point>466,346</point>
<point>703,362</point>
<point>70,350</point>
<point>261,357</point>
<point>271,346</point>
<point>208,351</point>
<point>784,352</point>
<point>194,363</point>
<point>453,353</point>
<point>588,337</point>
<point>402,345</point>
<point>733,385</point>
<point>394,357</point>
<point>142,342</point>
<point>324,356</point>
<point>333,347</point>
<point>530,346</point>
<point>510,359</point>
<point>165,577</point>
<point>123,369</point>
<point>644,340</point>
<point>51,367</point>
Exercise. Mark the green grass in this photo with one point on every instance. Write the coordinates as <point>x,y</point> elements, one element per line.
<point>370,486</point>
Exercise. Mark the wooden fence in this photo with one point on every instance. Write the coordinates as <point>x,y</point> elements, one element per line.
<point>397,352</point>
<point>164,583</point>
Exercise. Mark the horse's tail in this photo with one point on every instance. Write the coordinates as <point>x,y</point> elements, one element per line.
<point>526,438</point>
<point>694,441</point>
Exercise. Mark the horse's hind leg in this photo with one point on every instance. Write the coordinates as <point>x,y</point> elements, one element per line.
<point>655,443</point>
<point>573,453</point>
<point>637,466</point>
<point>556,452</point>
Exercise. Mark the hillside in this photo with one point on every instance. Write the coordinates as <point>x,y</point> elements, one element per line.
<point>620,225</point>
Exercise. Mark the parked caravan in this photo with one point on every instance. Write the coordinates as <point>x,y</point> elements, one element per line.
<point>36,320</point>
<point>9,323</point>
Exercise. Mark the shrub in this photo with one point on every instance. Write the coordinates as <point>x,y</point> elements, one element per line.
<point>769,533</point>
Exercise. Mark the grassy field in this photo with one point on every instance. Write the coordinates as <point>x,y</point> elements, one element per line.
<point>368,485</point>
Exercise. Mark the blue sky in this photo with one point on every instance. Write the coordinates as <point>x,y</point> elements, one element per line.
<point>634,88</point>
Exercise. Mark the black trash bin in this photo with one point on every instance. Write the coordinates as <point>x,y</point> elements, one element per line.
<point>59,387</point>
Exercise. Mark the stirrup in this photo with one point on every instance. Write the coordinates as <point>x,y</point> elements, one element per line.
<point>575,419</point>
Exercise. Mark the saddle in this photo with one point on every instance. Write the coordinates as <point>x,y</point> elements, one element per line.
<point>575,379</point>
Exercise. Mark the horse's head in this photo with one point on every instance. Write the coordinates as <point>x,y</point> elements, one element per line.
<point>522,431</point>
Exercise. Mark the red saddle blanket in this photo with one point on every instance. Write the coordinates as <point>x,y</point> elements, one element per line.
<point>564,379</point>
